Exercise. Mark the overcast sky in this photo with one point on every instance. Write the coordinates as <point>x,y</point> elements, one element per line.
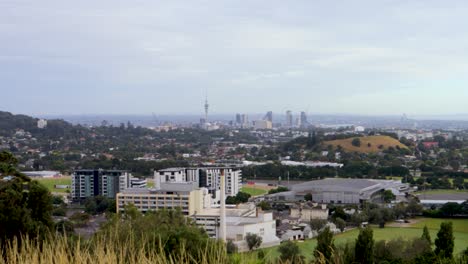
<point>139,57</point>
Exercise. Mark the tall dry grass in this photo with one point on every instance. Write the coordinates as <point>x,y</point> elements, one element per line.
<point>61,250</point>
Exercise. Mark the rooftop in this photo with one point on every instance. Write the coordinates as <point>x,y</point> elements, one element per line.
<point>165,187</point>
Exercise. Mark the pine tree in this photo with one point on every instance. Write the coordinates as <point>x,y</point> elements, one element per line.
<point>364,248</point>
<point>445,240</point>
<point>426,235</point>
<point>325,245</point>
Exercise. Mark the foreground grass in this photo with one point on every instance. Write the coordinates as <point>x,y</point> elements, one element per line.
<point>59,249</point>
<point>460,228</point>
<point>50,182</point>
<point>254,191</point>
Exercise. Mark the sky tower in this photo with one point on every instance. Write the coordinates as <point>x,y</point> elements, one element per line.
<point>206,109</point>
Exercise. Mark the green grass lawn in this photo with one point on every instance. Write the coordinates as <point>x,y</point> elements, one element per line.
<point>253,191</point>
<point>50,182</point>
<point>441,191</point>
<point>398,178</point>
<point>460,232</point>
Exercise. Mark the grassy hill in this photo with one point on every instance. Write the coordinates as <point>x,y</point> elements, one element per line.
<point>375,142</point>
<point>406,231</point>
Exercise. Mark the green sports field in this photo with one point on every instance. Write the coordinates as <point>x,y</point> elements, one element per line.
<point>253,191</point>
<point>460,227</point>
<point>50,182</point>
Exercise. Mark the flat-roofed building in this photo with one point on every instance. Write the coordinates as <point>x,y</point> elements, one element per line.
<point>342,191</point>
<point>240,221</point>
<point>309,211</point>
<point>205,177</point>
<point>89,183</point>
<point>185,196</point>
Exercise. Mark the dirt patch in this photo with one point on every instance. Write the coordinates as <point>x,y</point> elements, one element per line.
<point>410,224</point>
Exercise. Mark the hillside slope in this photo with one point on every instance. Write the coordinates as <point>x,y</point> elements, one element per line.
<point>375,142</point>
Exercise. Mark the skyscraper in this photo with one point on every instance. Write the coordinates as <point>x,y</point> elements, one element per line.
<point>289,118</point>
<point>304,121</point>
<point>244,121</point>
<point>238,119</point>
<point>268,116</point>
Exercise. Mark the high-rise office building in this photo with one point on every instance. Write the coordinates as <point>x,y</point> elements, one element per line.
<point>268,116</point>
<point>89,183</point>
<point>244,121</point>
<point>304,121</point>
<point>238,119</point>
<point>289,118</point>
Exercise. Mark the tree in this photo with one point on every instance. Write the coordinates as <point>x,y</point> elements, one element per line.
<point>99,204</point>
<point>231,247</point>
<point>445,241</point>
<point>388,196</point>
<point>290,252</point>
<point>459,182</point>
<point>25,205</point>
<point>231,200</point>
<point>340,223</point>
<point>426,236</point>
<point>339,213</point>
<point>253,240</point>
<point>356,142</point>
<point>364,247</point>
<point>450,209</point>
<point>278,190</point>
<point>242,197</point>
<point>414,208</point>
<point>325,246</point>
<point>308,197</point>
<point>317,224</point>
<point>264,205</point>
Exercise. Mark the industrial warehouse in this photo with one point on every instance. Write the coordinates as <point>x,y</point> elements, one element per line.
<point>342,191</point>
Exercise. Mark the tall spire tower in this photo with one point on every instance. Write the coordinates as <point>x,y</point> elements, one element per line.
<point>206,108</point>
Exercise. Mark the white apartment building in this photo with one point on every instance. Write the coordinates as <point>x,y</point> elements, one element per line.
<point>208,177</point>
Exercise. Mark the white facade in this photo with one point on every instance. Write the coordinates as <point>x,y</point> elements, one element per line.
<point>359,129</point>
<point>307,213</point>
<point>240,222</point>
<point>205,177</point>
<point>42,123</point>
<point>263,124</point>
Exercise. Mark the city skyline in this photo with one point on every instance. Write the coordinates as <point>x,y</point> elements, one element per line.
<point>117,57</point>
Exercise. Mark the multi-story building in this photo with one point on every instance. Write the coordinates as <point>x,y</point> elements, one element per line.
<point>269,116</point>
<point>289,118</point>
<point>263,124</point>
<point>240,221</point>
<point>238,119</point>
<point>183,195</point>
<point>138,183</point>
<point>208,177</point>
<point>42,123</point>
<point>89,183</point>
<point>304,121</point>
